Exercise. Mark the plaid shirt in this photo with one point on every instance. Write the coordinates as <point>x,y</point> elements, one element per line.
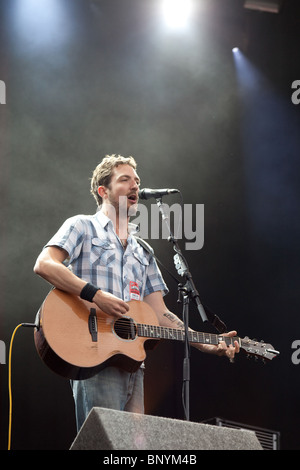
<point>96,255</point>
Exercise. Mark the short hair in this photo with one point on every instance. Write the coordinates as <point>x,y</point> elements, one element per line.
<point>103,172</point>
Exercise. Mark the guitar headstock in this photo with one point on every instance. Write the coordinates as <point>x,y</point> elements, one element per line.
<point>258,349</point>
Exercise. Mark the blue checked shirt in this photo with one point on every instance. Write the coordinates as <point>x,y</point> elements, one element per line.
<point>96,255</point>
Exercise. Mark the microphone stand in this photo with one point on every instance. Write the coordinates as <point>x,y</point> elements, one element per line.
<point>186,291</point>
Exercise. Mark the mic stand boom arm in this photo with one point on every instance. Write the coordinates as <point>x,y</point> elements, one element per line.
<point>186,291</point>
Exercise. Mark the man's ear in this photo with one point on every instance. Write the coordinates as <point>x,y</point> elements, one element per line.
<point>102,191</point>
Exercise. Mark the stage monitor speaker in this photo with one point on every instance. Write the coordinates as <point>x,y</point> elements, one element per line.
<point>106,429</point>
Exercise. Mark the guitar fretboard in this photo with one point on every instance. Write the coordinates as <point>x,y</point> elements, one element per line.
<point>162,332</point>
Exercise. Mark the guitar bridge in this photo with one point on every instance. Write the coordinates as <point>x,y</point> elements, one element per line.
<point>93,329</point>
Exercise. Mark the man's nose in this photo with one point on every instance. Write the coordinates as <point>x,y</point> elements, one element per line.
<point>134,185</point>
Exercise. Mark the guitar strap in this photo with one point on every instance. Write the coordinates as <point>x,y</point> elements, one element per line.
<point>218,324</point>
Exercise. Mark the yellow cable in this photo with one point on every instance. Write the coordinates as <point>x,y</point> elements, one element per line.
<point>9,386</point>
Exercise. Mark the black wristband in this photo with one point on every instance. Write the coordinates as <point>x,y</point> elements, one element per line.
<point>88,292</point>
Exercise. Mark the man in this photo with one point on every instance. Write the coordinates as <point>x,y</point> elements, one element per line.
<point>97,258</point>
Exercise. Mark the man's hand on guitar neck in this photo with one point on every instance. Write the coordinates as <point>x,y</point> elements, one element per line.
<point>169,319</point>
<point>222,349</point>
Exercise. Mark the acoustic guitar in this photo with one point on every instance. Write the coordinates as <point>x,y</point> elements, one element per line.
<point>76,339</point>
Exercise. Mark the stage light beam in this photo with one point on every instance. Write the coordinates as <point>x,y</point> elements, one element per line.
<point>177,13</point>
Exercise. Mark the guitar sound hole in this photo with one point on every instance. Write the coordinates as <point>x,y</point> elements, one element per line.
<point>125,328</point>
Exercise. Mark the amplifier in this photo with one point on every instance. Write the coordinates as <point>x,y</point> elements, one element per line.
<point>268,439</point>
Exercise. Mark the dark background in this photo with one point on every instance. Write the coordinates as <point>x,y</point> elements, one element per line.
<point>86,78</point>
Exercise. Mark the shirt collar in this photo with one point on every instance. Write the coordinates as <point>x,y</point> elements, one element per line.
<point>105,221</point>
<point>102,218</point>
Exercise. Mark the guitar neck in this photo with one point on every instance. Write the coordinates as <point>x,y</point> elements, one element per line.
<point>177,334</point>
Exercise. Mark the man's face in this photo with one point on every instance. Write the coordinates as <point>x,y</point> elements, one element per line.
<point>123,189</point>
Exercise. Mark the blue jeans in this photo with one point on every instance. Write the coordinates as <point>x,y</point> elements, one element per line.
<point>111,388</point>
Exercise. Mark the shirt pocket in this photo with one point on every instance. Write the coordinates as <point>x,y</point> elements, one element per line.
<point>102,252</point>
<point>140,266</point>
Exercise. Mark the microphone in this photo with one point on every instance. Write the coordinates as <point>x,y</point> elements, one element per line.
<point>147,193</point>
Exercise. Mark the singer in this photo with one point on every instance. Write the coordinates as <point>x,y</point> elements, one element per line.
<point>98,258</point>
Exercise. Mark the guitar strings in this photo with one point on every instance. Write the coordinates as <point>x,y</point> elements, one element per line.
<point>124,325</point>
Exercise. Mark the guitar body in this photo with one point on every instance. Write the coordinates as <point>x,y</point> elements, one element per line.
<point>69,343</point>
